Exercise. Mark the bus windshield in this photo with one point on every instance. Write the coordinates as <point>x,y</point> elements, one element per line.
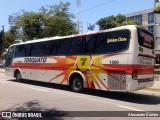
<point>145,39</point>
<point>9,56</point>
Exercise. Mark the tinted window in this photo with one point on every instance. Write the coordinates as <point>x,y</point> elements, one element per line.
<point>70,46</point>
<point>51,47</point>
<point>63,47</point>
<point>77,45</point>
<point>109,42</point>
<point>34,49</point>
<point>20,51</point>
<point>44,48</point>
<point>28,49</point>
<point>91,41</point>
<point>145,38</point>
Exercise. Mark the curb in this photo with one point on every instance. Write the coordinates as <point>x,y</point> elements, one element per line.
<point>2,70</point>
<point>150,91</point>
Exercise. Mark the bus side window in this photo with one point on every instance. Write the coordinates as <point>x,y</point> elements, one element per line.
<point>63,47</point>
<point>41,48</point>
<point>113,42</point>
<point>20,51</point>
<point>76,45</point>
<point>91,41</point>
<point>53,48</point>
<point>44,48</point>
<point>72,46</point>
<point>100,45</point>
<point>49,47</point>
<point>28,50</point>
<point>34,50</point>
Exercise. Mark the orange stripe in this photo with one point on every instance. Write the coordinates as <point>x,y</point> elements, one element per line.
<point>128,69</point>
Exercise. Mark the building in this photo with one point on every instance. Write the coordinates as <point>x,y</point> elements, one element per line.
<point>150,21</point>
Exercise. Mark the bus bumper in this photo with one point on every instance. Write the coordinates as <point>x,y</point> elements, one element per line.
<point>139,84</point>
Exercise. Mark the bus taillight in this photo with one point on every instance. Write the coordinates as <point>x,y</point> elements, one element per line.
<point>135,74</point>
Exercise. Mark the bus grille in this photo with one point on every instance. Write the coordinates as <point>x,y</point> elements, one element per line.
<point>116,82</point>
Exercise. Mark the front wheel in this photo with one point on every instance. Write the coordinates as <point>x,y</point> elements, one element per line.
<point>76,83</point>
<point>18,76</point>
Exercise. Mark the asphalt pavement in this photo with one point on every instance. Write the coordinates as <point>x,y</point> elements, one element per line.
<point>60,103</point>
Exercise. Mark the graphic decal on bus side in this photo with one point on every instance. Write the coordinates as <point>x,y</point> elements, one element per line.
<point>91,66</point>
<point>35,60</point>
<point>99,72</point>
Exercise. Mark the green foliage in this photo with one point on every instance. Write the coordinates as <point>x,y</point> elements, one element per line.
<point>9,38</point>
<point>114,21</point>
<point>157,10</point>
<point>130,22</point>
<point>59,26</point>
<point>49,21</point>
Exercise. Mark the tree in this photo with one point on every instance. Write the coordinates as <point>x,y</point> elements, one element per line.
<point>49,21</point>
<point>59,26</point>
<point>9,39</point>
<point>114,21</point>
<point>157,10</point>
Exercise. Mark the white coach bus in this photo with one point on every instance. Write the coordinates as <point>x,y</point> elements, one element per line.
<point>121,59</point>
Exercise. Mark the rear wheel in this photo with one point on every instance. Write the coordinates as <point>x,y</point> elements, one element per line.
<point>76,83</point>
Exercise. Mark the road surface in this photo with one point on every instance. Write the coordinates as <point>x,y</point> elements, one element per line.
<point>59,100</point>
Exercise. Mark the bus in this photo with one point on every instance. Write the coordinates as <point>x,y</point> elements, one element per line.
<point>117,59</point>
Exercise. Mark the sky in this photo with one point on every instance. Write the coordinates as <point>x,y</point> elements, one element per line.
<point>87,15</point>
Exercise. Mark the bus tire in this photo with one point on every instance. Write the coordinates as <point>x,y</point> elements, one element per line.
<point>76,83</point>
<point>18,76</point>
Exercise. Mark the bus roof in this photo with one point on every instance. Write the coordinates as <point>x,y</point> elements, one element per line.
<point>77,35</point>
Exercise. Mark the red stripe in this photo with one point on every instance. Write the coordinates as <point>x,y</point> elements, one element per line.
<point>127,69</point>
<point>142,69</point>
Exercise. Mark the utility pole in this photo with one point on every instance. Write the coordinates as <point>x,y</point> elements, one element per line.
<point>1,39</point>
<point>3,44</point>
<point>78,15</point>
<point>79,23</point>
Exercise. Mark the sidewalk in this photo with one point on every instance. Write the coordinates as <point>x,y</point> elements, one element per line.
<point>156,84</point>
<point>2,70</point>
